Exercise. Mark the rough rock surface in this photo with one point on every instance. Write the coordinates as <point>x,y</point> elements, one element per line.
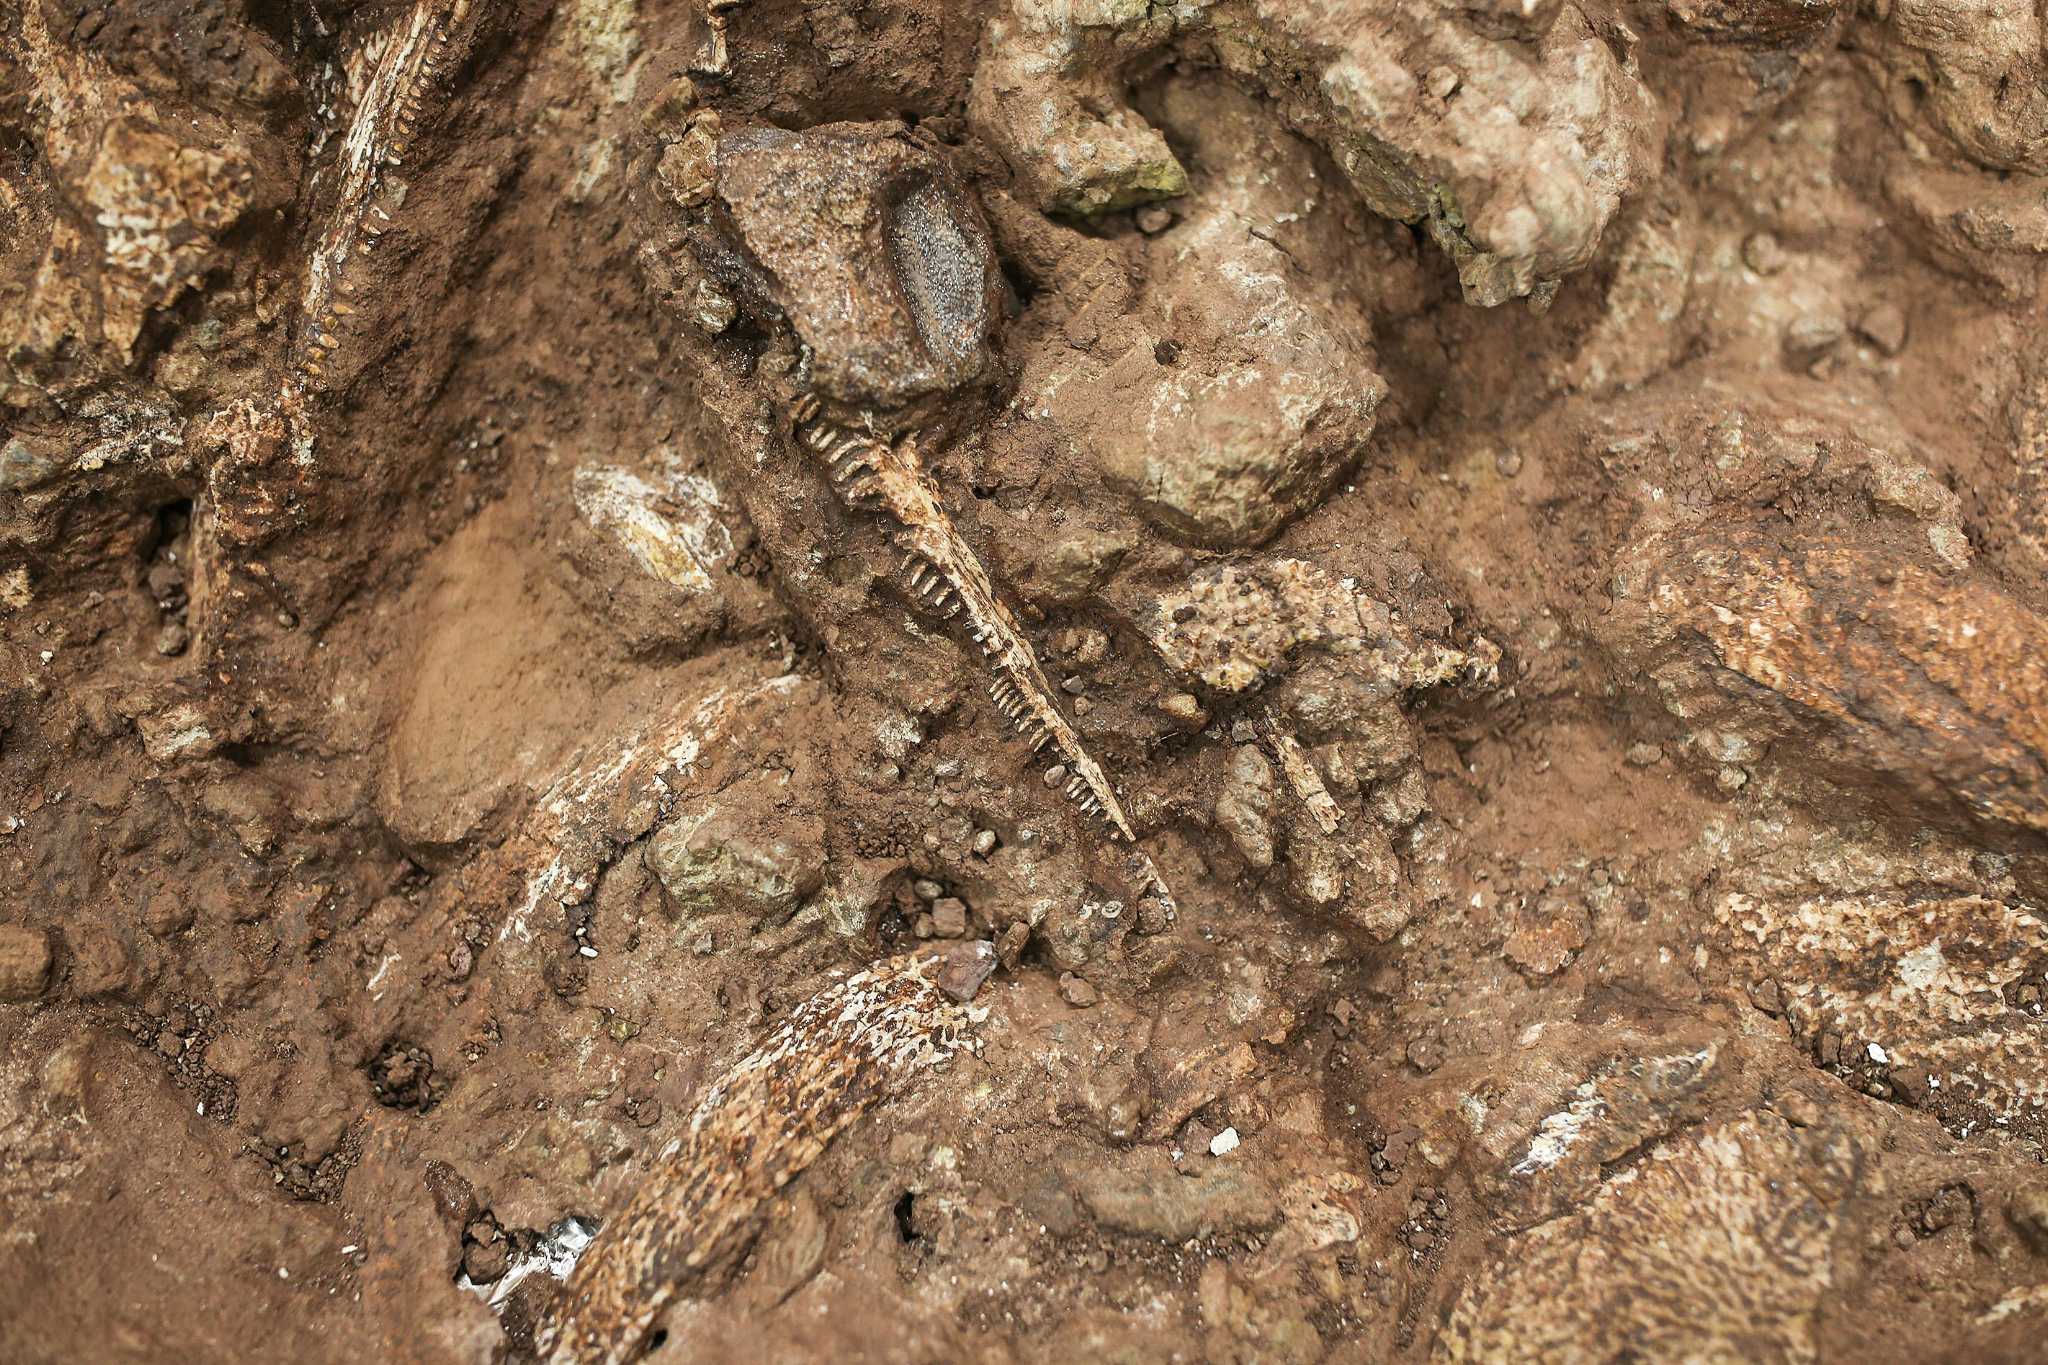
<point>1533,513</point>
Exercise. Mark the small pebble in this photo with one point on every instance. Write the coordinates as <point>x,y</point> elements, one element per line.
<point>949,917</point>
<point>928,890</point>
<point>1154,219</point>
<point>1056,774</point>
<point>1010,947</point>
<point>1762,253</point>
<point>1224,1143</point>
<point>1812,332</point>
<point>984,842</point>
<point>1184,709</point>
<point>1425,1054</point>
<point>1443,82</point>
<point>1074,686</point>
<point>1241,732</point>
<point>1508,462</point>
<point>1884,327</point>
<point>1644,755</point>
<point>1076,992</point>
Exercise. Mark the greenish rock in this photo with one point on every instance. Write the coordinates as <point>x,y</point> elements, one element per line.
<point>1132,167</point>
<point>23,467</point>
<point>712,862</point>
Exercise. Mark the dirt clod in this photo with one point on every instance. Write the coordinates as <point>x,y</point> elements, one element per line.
<point>24,962</point>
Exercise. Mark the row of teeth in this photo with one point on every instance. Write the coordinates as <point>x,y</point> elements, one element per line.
<point>377,221</point>
<point>1016,708</point>
<point>930,587</point>
<point>848,455</point>
<point>1011,701</point>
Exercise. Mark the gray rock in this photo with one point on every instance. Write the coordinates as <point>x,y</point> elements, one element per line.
<point>964,967</point>
<point>1145,1196</point>
<point>21,466</point>
<point>1244,808</point>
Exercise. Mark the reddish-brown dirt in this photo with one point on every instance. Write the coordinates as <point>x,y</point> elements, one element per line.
<point>1532,513</point>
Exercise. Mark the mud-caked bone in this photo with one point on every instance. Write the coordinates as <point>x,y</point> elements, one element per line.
<point>861,242</point>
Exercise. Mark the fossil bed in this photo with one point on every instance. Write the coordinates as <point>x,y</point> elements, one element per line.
<point>1534,509</point>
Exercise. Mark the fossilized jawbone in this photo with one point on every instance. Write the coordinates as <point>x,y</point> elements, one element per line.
<point>864,245</point>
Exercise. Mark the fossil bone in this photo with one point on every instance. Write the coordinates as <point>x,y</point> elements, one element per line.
<point>386,114</point>
<point>757,1128</point>
<point>945,573</point>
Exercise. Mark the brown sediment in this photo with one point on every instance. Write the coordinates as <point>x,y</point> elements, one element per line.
<point>537,539</point>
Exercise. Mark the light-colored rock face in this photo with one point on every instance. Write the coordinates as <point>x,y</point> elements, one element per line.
<point>1516,154</point>
<point>1225,449</point>
<point>671,533</point>
<point>1988,95</point>
<point>712,860</point>
<point>1514,133</point>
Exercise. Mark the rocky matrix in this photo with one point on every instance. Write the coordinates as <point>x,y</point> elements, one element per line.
<point>1023,681</point>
